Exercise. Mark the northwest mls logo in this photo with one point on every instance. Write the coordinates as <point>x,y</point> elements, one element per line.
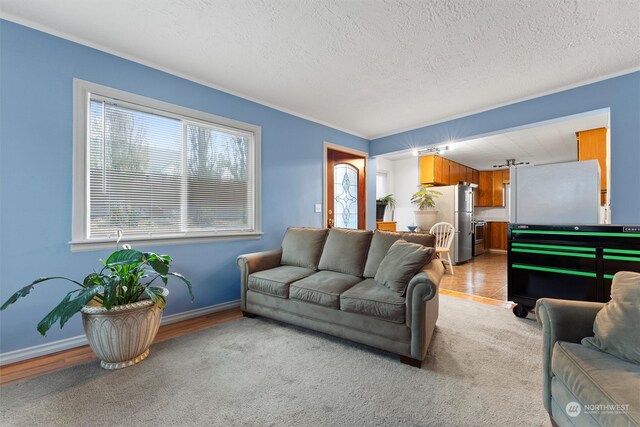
<point>573,409</point>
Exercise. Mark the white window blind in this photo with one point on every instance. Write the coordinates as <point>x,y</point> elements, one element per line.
<point>156,174</point>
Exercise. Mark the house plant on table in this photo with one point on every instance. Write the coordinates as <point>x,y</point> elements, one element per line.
<point>424,199</point>
<point>382,204</point>
<point>120,306</point>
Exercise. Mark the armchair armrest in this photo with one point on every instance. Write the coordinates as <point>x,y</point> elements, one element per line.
<point>251,263</point>
<point>562,320</point>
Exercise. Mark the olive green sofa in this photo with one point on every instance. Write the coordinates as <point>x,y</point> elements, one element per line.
<point>323,280</point>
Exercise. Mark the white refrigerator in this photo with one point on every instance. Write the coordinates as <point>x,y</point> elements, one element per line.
<point>455,206</point>
<point>561,193</point>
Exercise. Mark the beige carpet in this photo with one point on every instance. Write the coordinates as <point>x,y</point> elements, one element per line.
<point>484,369</point>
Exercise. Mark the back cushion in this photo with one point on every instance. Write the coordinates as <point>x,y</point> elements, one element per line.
<point>345,251</point>
<point>302,247</point>
<point>382,241</point>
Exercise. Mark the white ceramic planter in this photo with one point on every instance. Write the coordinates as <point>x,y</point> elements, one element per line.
<point>121,337</point>
<point>425,218</point>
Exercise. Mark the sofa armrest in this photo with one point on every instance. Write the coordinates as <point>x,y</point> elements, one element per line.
<point>251,263</point>
<point>562,320</point>
<point>422,306</point>
<point>423,286</point>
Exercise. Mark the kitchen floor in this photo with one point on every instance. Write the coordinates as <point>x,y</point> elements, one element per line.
<point>483,276</point>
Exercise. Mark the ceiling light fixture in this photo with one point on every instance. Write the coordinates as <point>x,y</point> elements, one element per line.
<point>510,162</point>
<point>433,150</point>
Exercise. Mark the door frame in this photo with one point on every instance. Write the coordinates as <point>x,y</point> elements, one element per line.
<point>335,147</point>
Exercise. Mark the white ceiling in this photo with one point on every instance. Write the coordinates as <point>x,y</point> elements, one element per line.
<point>371,67</point>
<point>540,144</point>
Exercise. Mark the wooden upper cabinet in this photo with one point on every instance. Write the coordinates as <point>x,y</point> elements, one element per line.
<point>446,171</point>
<point>434,170</point>
<point>427,169</point>
<point>485,188</point>
<point>592,145</point>
<point>506,176</point>
<point>491,188</point>
<point>498,189</point>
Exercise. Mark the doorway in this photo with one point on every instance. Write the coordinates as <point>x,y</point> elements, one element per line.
<point>345,188</point>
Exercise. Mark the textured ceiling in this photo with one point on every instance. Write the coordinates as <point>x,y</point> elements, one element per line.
<point>371,67</point>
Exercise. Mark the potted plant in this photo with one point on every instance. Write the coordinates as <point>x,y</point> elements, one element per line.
<point>426,215</point>
<point>120,305</point>
<point>381,206</point>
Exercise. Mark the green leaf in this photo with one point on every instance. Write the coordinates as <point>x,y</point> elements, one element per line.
<point>54,315</point>
<point>156,296</point>
<point>76,304</point>
<point>159,264</point>
<point>27,289</point>
<point>124,256</point>
<point>184,279</point>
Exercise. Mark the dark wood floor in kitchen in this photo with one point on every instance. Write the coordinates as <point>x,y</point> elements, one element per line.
<point>482,276</point>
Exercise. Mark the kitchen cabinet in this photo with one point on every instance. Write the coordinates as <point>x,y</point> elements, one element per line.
<point>434,170</point>
<point>496,236</point>
<point>491,188</point>
<point>592,145</point>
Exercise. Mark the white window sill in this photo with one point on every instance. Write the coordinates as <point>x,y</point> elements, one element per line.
<point>135,242</point>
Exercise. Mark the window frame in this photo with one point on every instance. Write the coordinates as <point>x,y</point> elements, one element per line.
<point>82,92</point>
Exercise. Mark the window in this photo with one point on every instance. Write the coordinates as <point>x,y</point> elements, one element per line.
<point>381,185</point>
<point>159,172</point>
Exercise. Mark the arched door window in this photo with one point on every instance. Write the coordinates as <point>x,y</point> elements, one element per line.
<point>345,179</point>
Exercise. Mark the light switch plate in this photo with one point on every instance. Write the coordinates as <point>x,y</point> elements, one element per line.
<point>318,207</point>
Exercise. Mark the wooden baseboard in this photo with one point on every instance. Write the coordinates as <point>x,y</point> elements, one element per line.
<point>75,356</point>
<point>80,340</point>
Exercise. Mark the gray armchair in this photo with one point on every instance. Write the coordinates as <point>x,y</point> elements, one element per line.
<point>583,386</point>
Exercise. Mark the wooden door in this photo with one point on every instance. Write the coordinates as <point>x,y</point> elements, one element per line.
<point>346,202</point>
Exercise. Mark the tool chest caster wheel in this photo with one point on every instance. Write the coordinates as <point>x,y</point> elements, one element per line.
<point>521,310</point>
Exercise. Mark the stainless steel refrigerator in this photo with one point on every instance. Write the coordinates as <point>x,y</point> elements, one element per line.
<point>455,206</point>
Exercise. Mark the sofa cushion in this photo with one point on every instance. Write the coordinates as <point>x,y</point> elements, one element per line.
<point>345,251</point>
<point>323,288</point>
<point>598,378</point>
<point>382,241</point>
<point>616,324</point>
<point>302,247</point>
<point>276,281</point>
<point>372,299</point>
<point>402,262</point>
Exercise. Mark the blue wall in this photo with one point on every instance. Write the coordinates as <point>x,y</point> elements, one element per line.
<point>36,142</point>
<point>620,94</point>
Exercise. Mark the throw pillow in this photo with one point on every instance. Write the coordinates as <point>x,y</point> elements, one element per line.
<point>401,263</point>
<point>302,247</point>
<point>616,325</point>
<point>345,251</point>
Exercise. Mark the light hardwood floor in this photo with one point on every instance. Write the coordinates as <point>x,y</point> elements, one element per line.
<point>484,276</point>
<point>483,279</point>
